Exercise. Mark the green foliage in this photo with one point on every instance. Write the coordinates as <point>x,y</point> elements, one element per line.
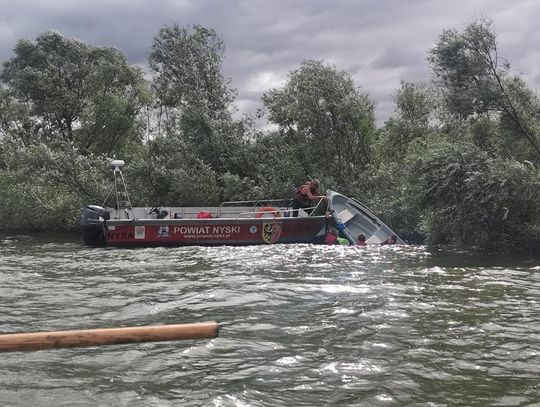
<point>326,117</point>
<point>217,142</point>
<point>468,66</point>
<point>187,68</point>
<point>170,174</point>
<point>469,198</point>
<point>73,92</point>
<point>277,166</point>
<point>44,189</point>
<point>236,188</point>
<point>414,115</point>
<point>476,81</point>
<point>190,88</point>
<point>15,122</point>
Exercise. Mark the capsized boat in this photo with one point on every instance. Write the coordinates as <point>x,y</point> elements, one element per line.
<point>357,218</point>
<point>231,223</point>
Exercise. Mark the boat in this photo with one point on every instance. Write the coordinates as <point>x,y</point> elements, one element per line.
<point>237,223</point>
<point>354,218</point>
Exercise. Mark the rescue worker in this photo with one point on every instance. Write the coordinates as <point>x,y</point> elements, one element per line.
<point>306,196</point>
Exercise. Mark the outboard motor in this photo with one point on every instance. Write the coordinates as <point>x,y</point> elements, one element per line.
<point>91,226</point>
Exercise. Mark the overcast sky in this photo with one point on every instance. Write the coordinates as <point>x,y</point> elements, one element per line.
<point>378,42</point>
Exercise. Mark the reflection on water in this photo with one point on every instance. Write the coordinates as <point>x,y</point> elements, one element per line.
<point>301,325</point>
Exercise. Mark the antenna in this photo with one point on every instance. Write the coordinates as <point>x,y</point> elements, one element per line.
<point>117,165</point>
<point>120,188</point>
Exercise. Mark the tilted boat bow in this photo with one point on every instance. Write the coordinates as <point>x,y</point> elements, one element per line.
<point>358,218</point>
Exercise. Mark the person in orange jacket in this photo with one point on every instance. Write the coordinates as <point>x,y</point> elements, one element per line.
<point>306,196</point>
<point>331,237</point>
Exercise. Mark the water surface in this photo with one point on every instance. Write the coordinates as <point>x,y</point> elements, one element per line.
<point>301,325</point>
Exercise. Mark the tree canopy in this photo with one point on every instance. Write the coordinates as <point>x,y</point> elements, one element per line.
<point>476,81</point>
<point>193,95</point>
<point>72,92</point>
<point>329,120</point>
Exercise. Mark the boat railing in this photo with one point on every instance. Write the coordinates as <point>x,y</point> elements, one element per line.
<point>245,209</point>
<point>284,205</point>
<point>283,208</point>
<point>320,204</point>
<point>287,213</point>
<point>255,203</point>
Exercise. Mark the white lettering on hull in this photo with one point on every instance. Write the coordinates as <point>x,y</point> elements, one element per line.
<point>208,232</point>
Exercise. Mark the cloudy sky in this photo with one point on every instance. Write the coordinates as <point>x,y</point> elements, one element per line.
<point>378,42</point>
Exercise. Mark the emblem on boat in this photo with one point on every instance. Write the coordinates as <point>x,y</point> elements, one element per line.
<point>253,229</point>
<point>163,231</point>
<point>271,232</point>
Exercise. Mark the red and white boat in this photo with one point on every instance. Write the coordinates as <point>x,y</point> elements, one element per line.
<point>231,223</point>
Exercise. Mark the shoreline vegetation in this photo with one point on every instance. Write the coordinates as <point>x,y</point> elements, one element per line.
<point>456,164</point>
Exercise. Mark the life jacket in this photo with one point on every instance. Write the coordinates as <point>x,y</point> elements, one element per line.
<point>330,239</point>
<point>300,195</point>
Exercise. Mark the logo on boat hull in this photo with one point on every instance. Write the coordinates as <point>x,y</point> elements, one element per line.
<point>271,232</point>
<point>163,232</point>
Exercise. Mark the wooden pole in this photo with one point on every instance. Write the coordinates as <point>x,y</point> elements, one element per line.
<point>106,336</point>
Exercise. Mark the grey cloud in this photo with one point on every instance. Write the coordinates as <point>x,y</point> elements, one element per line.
<point>379,43</point>
<point>394,57</point>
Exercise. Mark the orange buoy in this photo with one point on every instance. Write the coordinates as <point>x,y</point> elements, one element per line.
<point>268,209</point>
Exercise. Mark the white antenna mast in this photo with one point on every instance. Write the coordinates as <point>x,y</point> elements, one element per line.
<point>120,189</point>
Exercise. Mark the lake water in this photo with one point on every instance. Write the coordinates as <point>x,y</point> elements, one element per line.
<point>301,325</point>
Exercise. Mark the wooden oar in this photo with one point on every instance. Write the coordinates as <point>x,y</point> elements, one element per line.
<point>106,336</point>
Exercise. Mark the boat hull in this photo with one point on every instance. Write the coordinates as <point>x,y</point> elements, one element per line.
<point>356,218</point>
<point>213,232</point>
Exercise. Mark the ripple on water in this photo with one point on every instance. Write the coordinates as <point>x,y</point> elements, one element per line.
<point>301,325</point>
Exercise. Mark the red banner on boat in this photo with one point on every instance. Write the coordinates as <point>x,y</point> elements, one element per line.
<point>259,231</point>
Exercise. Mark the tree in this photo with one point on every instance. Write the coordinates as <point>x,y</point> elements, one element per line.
<point>43,189</point>
<point>469,198</point>
<point>85,95</point>
<point>328,119</point>
<point>413,116</point>
<point>169,173</point>
<point>16,124</point>
<point>187,69</point>
<point>409,128</point>
<point>477,81</point>
<point>194,95</point>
